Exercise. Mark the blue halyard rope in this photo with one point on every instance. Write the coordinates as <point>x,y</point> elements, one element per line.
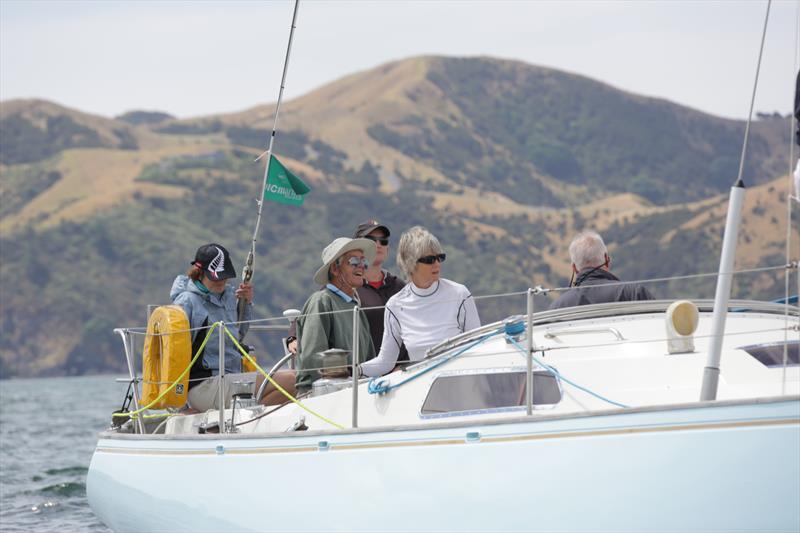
<point>561,377</point>
<point>379,386</point>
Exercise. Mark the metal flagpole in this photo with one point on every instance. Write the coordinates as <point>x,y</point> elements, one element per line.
<point>247,271</point>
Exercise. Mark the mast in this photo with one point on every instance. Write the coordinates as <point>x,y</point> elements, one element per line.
<point>247,271</point>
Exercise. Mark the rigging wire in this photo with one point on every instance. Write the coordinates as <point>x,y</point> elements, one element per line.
<point>789,196</point>
<point>753,97</point>
<point>560,376</point>
<point>790,266</point>
<point>672,278</point>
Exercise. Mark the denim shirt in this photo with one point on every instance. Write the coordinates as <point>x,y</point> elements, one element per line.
<point>199,307</point>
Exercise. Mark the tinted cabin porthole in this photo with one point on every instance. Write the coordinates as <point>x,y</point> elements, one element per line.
<point>770,354</point>
<point>487,391</point>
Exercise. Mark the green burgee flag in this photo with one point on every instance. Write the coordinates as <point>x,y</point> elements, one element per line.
<point>283,186</point>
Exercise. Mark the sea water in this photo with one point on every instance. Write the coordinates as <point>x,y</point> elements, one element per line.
<point>48,431</point>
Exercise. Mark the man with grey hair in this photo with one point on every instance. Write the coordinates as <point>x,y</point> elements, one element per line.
<point>327,319</point>
<point>590,271</point>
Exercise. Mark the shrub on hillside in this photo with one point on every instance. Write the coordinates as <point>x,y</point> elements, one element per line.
<point>144,117</point>
<point>192,128</point>
<point>24,142</point>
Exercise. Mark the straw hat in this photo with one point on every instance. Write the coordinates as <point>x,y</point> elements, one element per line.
<point>337,249</point>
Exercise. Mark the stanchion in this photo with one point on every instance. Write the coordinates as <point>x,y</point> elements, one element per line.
<point>221,390</point>
<point>529,356</point>
<point>355,366</point>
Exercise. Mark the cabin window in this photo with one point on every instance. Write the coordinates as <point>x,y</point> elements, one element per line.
<point>467,393</point>
<point>770,354</point>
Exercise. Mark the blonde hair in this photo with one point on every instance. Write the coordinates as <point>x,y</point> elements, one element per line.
<point>415,243</point>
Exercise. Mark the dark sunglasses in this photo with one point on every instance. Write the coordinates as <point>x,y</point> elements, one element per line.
<point>431,259</point>
<point>383,240</point>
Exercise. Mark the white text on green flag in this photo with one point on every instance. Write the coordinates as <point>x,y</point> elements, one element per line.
<point>283,186</point>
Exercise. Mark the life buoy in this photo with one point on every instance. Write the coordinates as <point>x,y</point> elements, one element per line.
<point>167,353</point>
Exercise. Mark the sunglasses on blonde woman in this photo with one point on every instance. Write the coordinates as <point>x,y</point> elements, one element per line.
<point>431,259</point>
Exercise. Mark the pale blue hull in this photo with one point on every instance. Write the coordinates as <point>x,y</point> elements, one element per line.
<point>730,466</point>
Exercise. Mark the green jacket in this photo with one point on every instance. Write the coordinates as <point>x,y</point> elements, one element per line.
<point>317,333</point>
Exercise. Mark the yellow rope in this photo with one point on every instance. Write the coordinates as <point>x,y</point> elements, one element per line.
<point>275,384</point>
<point>160,415</point>
<point>134,414</point>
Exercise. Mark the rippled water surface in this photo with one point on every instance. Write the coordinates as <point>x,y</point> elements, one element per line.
<point>48,430</point>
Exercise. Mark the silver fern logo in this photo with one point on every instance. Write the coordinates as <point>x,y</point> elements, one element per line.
<point>217,264</point>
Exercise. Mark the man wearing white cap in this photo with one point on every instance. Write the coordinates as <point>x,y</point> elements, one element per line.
<point>327,318</point>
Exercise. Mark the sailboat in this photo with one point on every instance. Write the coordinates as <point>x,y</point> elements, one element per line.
<point>628,416</point>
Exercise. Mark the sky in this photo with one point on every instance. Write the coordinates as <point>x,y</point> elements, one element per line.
<point>198,58</point>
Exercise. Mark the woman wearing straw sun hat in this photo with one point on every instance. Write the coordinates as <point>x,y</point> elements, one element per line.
<point>327,317</point>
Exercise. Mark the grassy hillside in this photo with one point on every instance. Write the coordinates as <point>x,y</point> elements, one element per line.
<point>503,161</point>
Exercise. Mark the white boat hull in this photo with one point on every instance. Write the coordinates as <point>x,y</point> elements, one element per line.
<point>727,466</point>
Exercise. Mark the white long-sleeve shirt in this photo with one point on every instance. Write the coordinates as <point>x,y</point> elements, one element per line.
<point>422,318</point>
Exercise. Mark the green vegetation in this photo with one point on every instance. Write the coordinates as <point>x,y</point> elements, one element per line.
<point>144,117</point>
<point>179,170</point>
<point>584,132</point>
<point>367,176</point>
<point>289,143</point>
<point>203,127</point>
<point>24,142</point>
<point>461,156</point>
<point>23,183</point>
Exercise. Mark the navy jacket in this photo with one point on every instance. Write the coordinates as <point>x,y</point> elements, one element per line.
<point>594,280</point>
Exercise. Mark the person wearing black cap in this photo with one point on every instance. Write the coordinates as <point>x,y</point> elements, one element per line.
<point>379,284</point>
<point>206,298</point>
